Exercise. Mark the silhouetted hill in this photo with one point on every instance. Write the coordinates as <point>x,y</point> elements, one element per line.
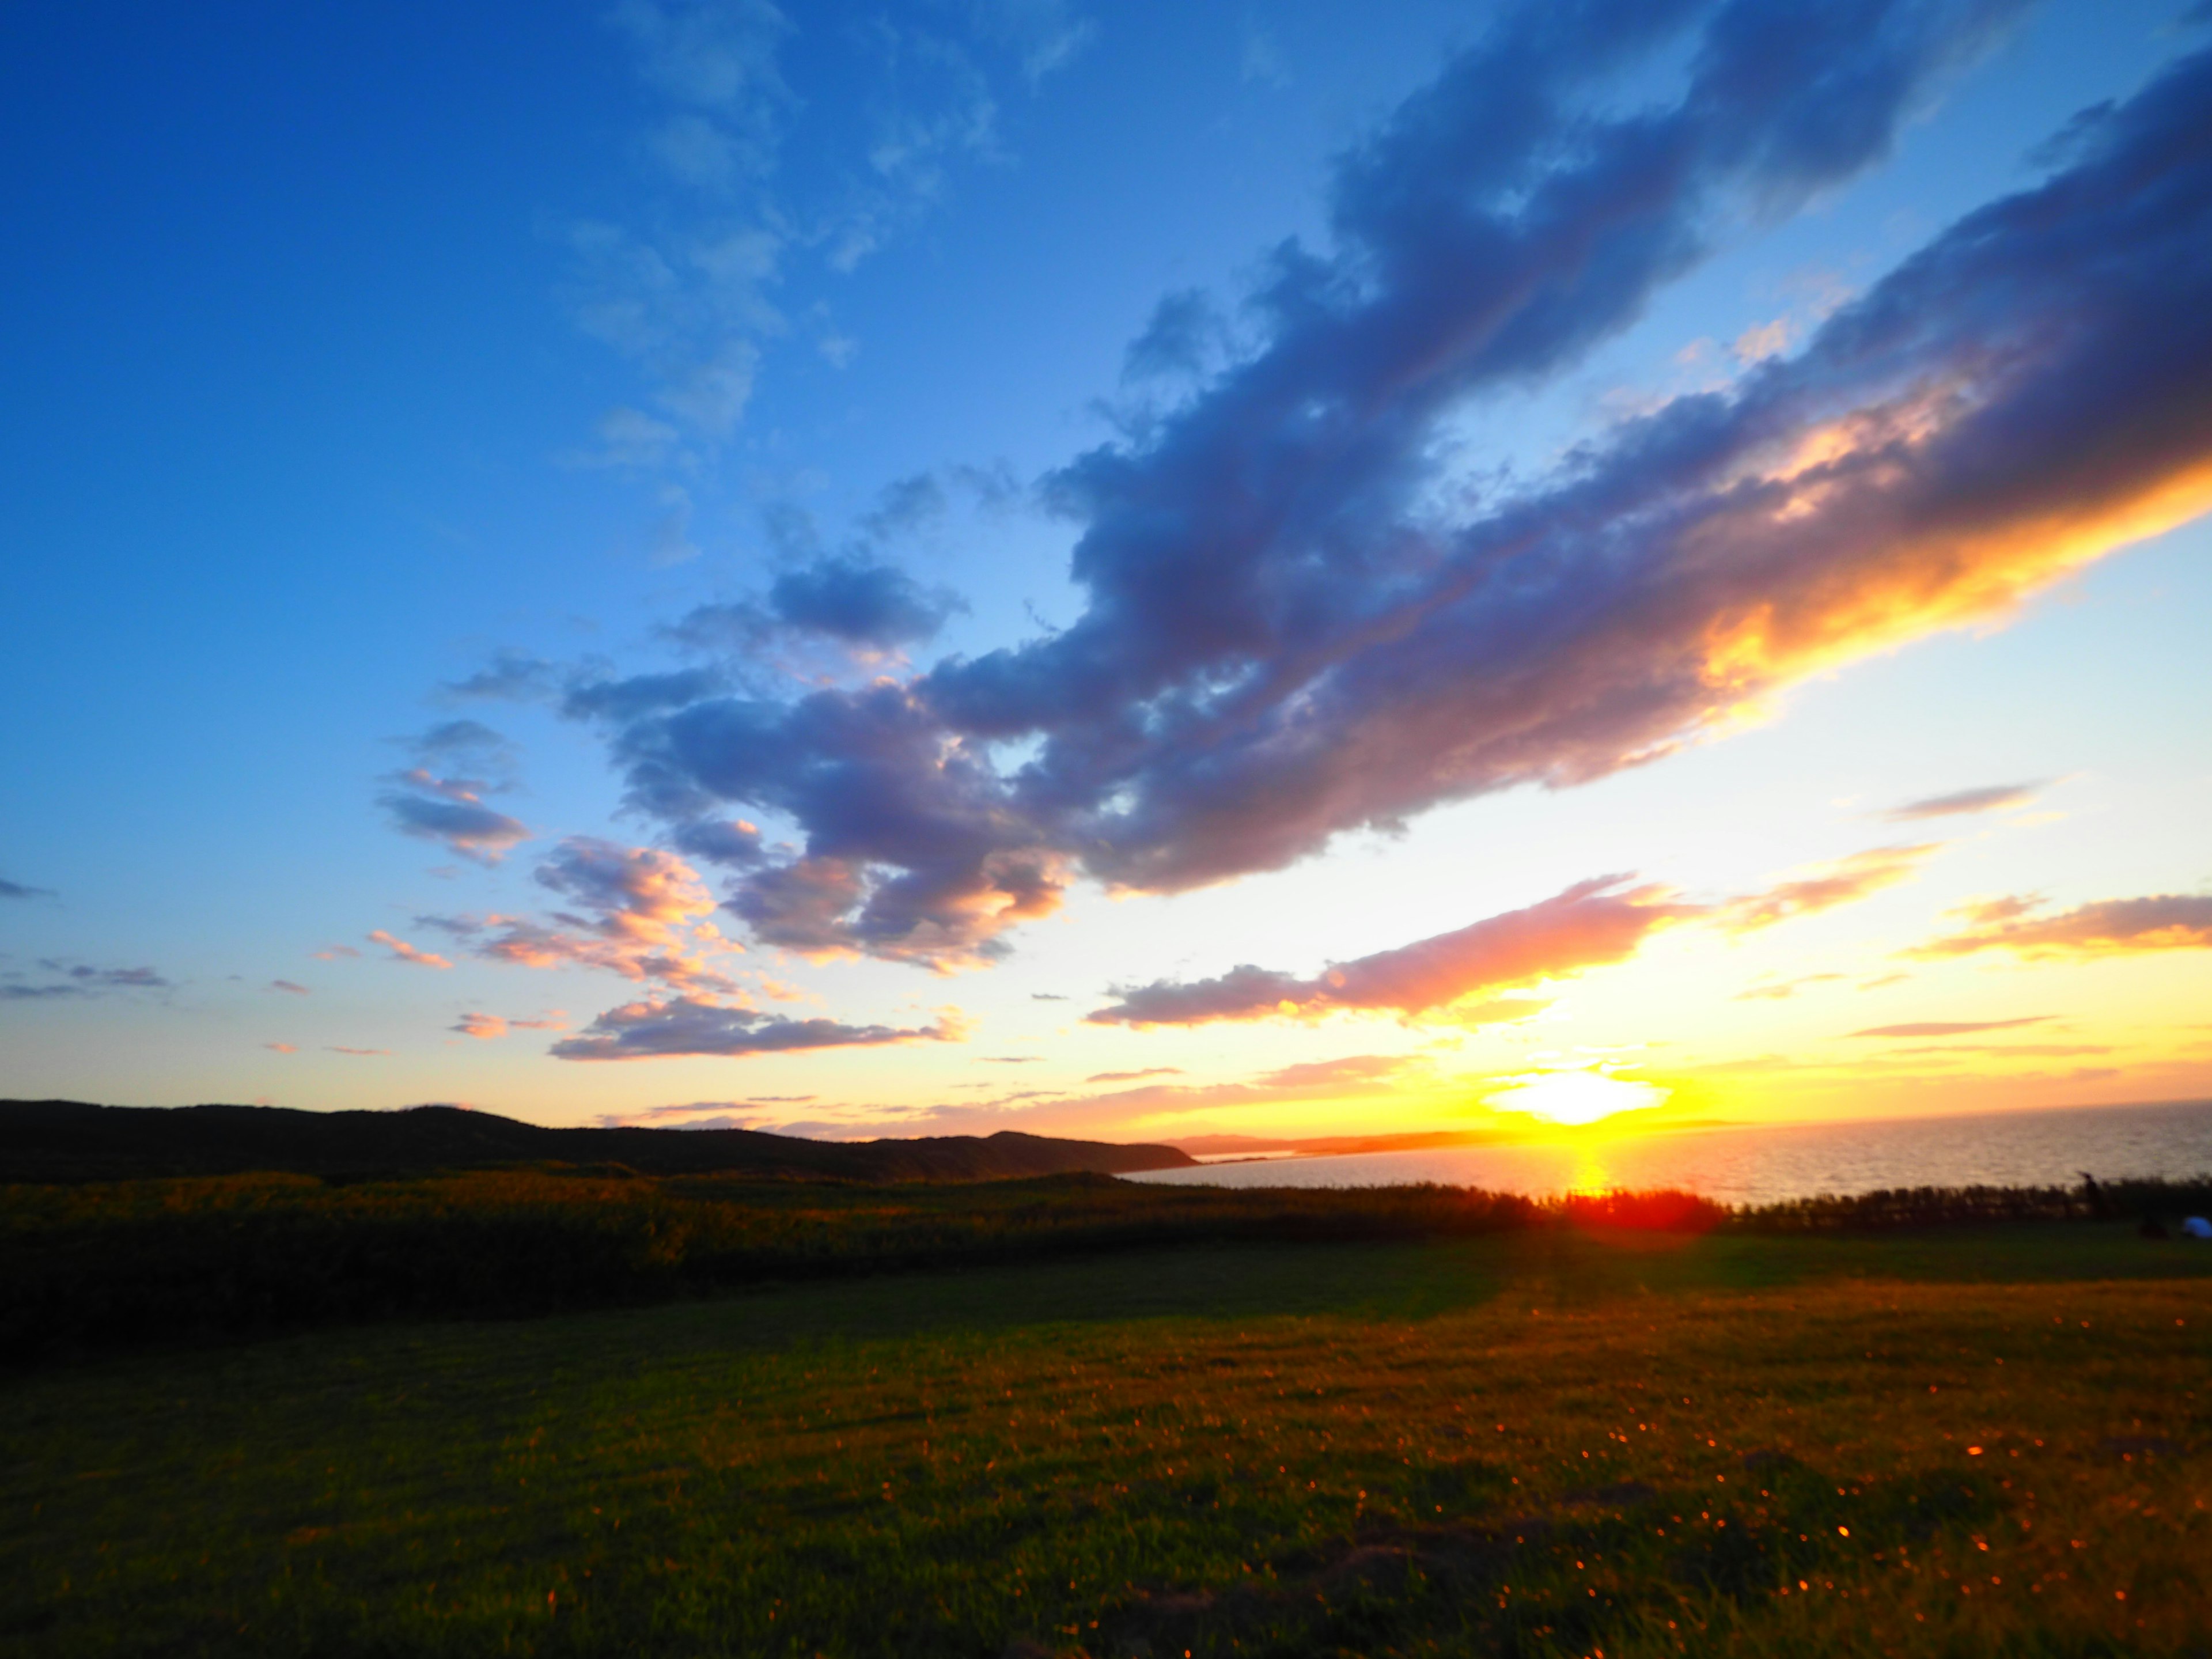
<point>70,1140</point>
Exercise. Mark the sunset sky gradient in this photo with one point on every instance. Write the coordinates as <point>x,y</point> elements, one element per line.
<point>1118,571</point>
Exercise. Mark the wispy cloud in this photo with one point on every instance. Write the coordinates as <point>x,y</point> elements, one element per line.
<point>1990,798</point>
<point>1591,923</point>
<point>1944,1028</point>
<point>2109,928</point>
<point>403,952</point>
<point>291,986</point>
<point>78,979</point>
<point>693,1025</point>
<point>17,890</point>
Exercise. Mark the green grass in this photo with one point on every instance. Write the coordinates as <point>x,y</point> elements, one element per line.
<point>1532,1442</point>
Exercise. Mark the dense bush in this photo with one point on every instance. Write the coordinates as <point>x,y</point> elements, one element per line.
<point>106,1264</point>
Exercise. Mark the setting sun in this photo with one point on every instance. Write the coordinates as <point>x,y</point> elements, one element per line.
<point>1575,1098</point>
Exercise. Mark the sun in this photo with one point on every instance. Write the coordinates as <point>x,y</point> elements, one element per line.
<point>1575,1098</point>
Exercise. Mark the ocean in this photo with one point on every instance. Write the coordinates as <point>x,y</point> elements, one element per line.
<point>1770,1163</point>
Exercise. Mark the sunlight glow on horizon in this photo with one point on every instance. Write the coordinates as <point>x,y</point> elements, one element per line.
<point>1575,1098</point>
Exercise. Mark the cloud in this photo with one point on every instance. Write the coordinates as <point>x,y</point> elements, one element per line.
<point>337,1050</point>
<point>1844,881</point>
<point>1011,1059</point>
<point>403,952</point>
<point>1302,619</point>
<point>486,1026</point>
<point>1133,1077</point>
<point>1990,798</point>
<point>874,606</point>
<point>1783,991</point>
<point>79,979</point>
<point>294,988</point>
<point>282,1047</point>
<point>16,890</point>
<point>693,1025</point>
<point>2109,928</point>
<point>636,911</point>
<point>450,809</point>
<point>1938,1027</point>
<point>1591,923</point>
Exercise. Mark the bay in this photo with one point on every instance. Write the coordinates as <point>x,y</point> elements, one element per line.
<point>1767,1164</point>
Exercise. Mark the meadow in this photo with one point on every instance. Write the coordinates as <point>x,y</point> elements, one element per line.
<point>92,1266</point>
<point>1549,1439</point>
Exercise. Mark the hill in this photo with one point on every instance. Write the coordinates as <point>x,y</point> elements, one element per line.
<point>70,1140</point>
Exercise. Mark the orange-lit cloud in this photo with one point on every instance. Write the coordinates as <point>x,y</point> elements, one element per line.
<point>1591,923</point>
<point>1845,881</point>
<point>488,1026</point>
<point>635,911</point>
<point>403,952</point>
<point>2109,928</point>
<point>1458,976</point>
<point>282,1047</point>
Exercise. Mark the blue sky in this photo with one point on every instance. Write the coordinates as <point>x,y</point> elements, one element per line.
<point>361,358</point>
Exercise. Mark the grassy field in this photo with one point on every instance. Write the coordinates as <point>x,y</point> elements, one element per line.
<point>1543,1442</point>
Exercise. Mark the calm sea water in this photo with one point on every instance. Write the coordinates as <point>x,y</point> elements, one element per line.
<point>1766,1164</point>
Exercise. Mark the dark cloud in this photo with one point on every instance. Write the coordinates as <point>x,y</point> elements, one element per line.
<point>292,985</point>
<point>77,979</point>
<point>437,810</point>
<point>905,506</point>
<point>1942,1028</point>
<point>2162,921</point>
<point>631,699</point>
<point>510,677</point>
<point>16,890</point>
<point>1301,618</point>
<point>1988,799</point>
<point>1591,923</point>
<point>692,1025</point>
<point>446,803</point>
<point>1046,996</point>
<point>1186,329</point>
<point>874,606</point>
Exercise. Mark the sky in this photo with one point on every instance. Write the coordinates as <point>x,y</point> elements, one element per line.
<point>1146,572</point>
